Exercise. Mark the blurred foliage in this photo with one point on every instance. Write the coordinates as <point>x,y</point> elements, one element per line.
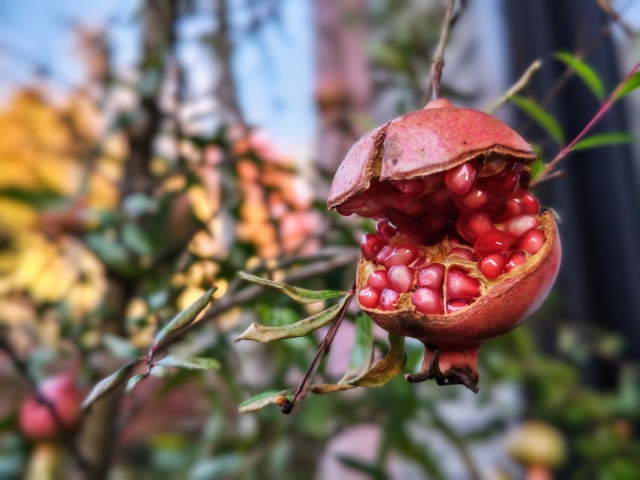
<point>73,233</point>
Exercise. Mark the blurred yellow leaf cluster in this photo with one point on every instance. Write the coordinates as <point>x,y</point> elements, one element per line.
<point>55,150</point>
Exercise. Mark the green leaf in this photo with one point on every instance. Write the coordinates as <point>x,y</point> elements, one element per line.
<point>107,385</point>
<point>325,388</point>
<point>136,240</point>
<point>362,353</point>
<point>584,71</point>
<point>301,295</point>
<point>536,168</point>
<point>190,363</point>
<point>266,398</point>
<point>629,86</point>
<point>133,381</point>
<point>387,368</point>
<point>112,253</point>
<point>603,140</point>
<point>186,317</point>
<point>138,204</point>
<point>260,333</point>
<point>119,347</point>
<point>542,117</point>
<point>372,471</point>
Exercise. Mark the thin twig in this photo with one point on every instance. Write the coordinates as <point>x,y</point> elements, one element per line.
<point>23,369</point>
<point>230,300</point>
<point>515,88</point>
<point>323,348</point>
<point>437,62</point>
<point>563,153</point>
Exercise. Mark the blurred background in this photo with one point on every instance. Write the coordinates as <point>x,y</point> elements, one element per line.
<point>150,149</point>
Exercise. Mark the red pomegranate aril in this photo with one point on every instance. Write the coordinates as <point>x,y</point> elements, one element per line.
<point>431,276</point>
<point>438,201</point>
<point>373,207</point>
<point>379,279</point>
<point>503,184</point>
<point>434,223</point>
<point>410,187</point>
<point>514,260</point>
<point>418,206</point>
<point>428,300</point>
<point>423,261</point>
<point>512,208</point>
<point>517,167</point>
<point>354,203</point>
<point>491,265</point>
<point>371,245</point>
<point>401,277</point>
<point>531,203</point>
<point>459,180</point>
<point>518,226</point>
<point>414,230</point>
<point>389,299</point>
<point>496,206</point>
<point>531,241</point>
<point>456,304</point>
<point>461,285</point>
<point>475,199</point>
<point>491,241</point>
<point>492,166</point>
<point>369,296</point>
<point>385,230</point>
<point>472,225</point>
<point>400,201</point>
<point>384,253</point>
<point>464,253</point>
<point>402,254</point>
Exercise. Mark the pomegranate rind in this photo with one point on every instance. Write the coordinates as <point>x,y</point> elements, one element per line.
<point>421,143</point>
<point>503,305</point>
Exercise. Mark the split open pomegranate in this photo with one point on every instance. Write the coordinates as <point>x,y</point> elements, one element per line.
<point>461,252</point>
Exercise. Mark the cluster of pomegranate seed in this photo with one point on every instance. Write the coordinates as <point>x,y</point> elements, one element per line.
<point>439,238</point>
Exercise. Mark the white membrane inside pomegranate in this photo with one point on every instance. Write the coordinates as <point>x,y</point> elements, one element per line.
<point>443,240</point>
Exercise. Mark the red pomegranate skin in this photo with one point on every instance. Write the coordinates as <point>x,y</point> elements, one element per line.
<point>423,142</point>
<point>419,144</point>
<point>35,419</point>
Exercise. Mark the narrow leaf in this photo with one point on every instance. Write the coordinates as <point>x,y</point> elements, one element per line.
<point>191,363</point>
<point>536,168</point>
<point>603,140</point>
<point>362,353</point>
<point>584,71</point>
<point>387,368</point>
<point>260,333</point>
<point>542,117</point>
<point>119,347</point>
<point>629,86</point>
<point>266,398</point>
<point>133,381</point>
<point>185,317</point>
<point>108,384</point>
<point>136,240</point>
<point>321,389</point>
<point>301,295</point>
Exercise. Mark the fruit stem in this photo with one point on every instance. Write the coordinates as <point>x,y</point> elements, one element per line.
<point>437,62</point>
<point>603,109</point>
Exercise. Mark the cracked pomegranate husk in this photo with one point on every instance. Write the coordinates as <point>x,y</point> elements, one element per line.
<point>461,252</point>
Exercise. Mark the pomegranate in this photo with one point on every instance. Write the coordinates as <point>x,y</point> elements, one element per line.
<point>35,419</point>
<point>466,252</point>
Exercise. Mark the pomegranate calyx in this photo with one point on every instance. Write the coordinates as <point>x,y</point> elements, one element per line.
<point>457,366</point>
